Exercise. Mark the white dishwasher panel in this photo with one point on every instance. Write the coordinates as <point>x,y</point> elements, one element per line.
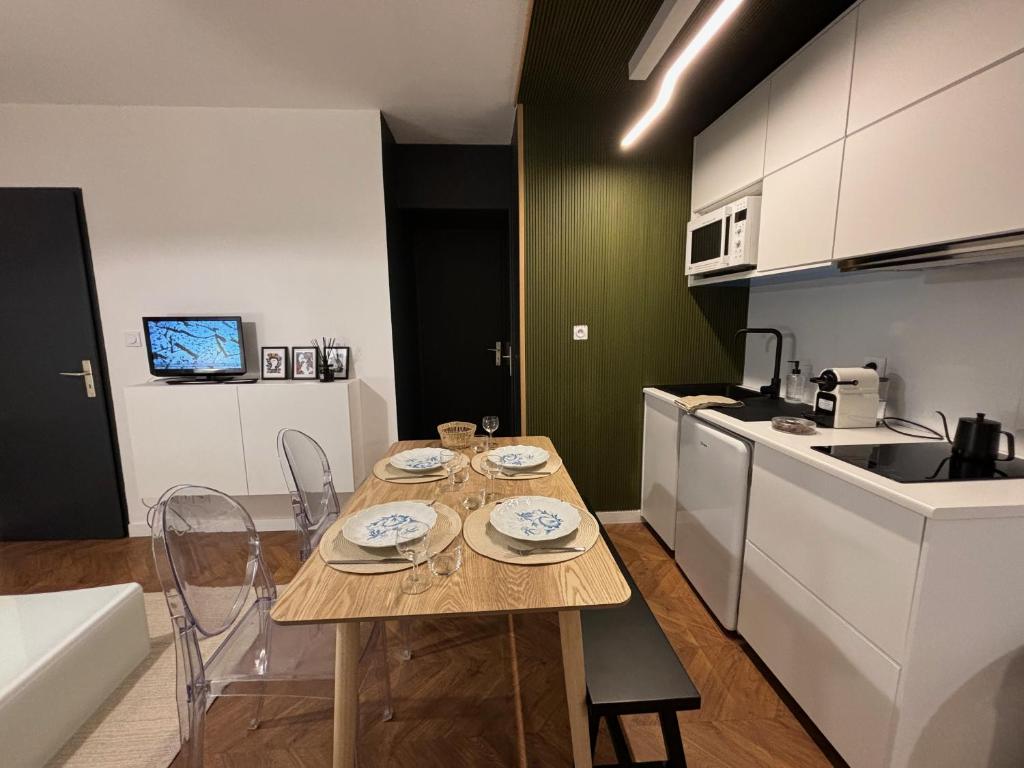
<point>660,462</point>
<point>711,513</point>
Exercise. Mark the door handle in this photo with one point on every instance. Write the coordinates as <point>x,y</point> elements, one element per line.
<point>86,375</point>
<point>508,356</point>
<point>496,349</point>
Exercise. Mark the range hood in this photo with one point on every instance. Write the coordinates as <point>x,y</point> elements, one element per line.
<point>967,251</point>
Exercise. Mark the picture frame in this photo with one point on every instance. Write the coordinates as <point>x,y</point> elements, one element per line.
<point>304,363</point>
<point>339,358</point>
<point>274,362</point>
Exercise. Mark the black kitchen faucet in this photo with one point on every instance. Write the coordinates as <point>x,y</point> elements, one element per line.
<point>773,389</point>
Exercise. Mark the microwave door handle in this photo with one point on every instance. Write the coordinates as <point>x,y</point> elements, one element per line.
<point>725,230</point>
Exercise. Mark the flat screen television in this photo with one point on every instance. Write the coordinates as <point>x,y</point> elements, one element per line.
<point>201,347</point>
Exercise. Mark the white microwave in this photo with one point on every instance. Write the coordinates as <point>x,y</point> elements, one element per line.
<point>724,240</point>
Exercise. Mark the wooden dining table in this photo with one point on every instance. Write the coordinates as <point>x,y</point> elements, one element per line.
<point>319,594</point>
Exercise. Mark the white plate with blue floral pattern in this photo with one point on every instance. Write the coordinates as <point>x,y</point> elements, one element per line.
<point>518,457</point>
<point>535,518</point>
<point>377,526</point>
<point>421,459</point>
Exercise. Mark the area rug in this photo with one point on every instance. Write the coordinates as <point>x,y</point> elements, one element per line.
<point>137,726</point>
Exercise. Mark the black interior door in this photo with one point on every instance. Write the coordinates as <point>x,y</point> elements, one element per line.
<point>460,262</point>
<point>59,468</point>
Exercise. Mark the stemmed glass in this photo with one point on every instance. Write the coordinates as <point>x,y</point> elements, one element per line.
<point>411,541</point>
<point>490,425</point>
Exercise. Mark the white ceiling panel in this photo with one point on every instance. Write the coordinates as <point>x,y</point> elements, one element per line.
<point>442,71</point>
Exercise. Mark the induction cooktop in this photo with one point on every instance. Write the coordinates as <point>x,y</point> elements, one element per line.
<point>921,462</point>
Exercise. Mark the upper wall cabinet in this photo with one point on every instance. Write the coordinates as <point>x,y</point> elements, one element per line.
<point>948,168</point>
<point>798,211</point>
<point>728,156</point>
<point>907,49</point>
<point>809,96</point>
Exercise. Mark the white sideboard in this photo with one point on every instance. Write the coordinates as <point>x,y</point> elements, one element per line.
<point>225,435</point>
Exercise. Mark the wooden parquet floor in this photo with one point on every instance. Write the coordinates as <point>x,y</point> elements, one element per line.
<point>453,700</point>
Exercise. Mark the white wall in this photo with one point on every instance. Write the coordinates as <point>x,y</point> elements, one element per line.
<point>953,337</point>
<point>273,214</point>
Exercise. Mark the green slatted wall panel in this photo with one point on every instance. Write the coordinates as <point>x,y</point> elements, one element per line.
<point>605,238</point>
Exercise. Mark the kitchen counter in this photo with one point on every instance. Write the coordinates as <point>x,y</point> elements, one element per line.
<point>944,500</point>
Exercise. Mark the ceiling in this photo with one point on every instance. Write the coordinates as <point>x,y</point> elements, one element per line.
<point>442,71</point>
<point>579,51</point>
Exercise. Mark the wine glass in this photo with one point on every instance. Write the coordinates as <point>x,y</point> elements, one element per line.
<point>490,425</point>
<point>411,541</point>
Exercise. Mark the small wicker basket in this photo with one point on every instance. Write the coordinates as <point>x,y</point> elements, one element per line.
<point>457,434</point>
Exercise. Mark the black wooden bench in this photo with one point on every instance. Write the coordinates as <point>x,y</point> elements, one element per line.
<point>632,669</point>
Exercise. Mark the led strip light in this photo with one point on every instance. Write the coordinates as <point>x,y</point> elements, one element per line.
<point>668,84</point>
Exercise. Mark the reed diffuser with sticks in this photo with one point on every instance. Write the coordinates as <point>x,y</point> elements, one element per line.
<point>324,364</point>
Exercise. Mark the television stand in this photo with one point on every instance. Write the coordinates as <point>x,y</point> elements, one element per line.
<point>225,437</point>
<point>210,380</point>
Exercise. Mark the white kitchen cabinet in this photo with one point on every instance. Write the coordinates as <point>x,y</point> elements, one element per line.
<point>660,466</point>
<point>897,633</point>
<point>225,435</point>
<point>186,434</point>
<point>798,211</point>
<point>908,49</point>
<point>947,168</point>
<point>728,155</point>
<point>962,686</point>
<point>845,684</point>
<point>854,551</point>
<point>809,97</point>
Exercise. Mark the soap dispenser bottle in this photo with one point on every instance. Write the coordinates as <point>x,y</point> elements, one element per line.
<point>795,384</point>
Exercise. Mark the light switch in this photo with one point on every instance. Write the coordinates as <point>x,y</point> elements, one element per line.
<point>132,338</point>
<point>580,333</point>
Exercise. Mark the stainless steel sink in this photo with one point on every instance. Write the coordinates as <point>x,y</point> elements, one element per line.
<point>756,407</point>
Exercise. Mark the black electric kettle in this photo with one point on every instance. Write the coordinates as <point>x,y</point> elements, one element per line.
<point>977,439</point>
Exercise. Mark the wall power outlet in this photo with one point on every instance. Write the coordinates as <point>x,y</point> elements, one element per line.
<point>879,364</point>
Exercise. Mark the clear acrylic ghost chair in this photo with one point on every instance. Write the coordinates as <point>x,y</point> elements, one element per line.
<point>209,563</point>
<point>307,473</point>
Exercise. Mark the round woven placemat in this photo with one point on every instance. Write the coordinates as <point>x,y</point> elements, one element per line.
<point>549,467</point>
<point>334,546</point>
<point>484,539</point>
<point>383,470</point>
